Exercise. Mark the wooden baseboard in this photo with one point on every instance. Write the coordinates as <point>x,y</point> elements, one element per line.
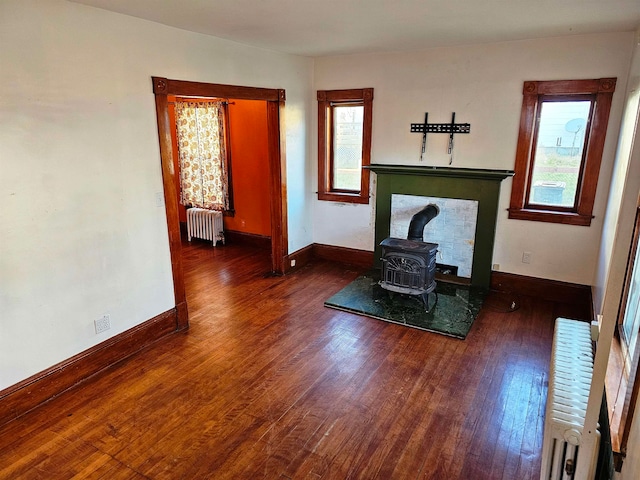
<point>182,316</point>
<point>242,238</point>
<point>550,290</point>
<point>349,256</point>
<point>42,387</point>
<point>300,257</point>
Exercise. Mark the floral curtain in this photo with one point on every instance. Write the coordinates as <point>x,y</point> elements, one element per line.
<point>202,151</point>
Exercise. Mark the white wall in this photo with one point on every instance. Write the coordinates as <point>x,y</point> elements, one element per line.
<point>483,85</point>
<point>81,233</point>
<point>618,232</point>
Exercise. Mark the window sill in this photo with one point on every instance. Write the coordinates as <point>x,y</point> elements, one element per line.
<point>567,218</point>
<point>343,197</point>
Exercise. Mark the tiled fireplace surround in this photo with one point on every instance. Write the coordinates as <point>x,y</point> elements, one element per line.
<point>399,188</point>
<point>454,229</point>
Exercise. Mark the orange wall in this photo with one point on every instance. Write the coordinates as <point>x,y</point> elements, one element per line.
<point>249,168</point>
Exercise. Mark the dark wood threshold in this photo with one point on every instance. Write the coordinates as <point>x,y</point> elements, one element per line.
<point>48,384</point>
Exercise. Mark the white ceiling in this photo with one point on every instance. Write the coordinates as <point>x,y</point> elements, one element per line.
<point>330,27</point>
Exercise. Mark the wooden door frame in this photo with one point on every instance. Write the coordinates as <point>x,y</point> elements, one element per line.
<point>275,98</point>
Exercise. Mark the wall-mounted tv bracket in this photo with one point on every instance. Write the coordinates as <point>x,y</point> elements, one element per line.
<point>450,128</point>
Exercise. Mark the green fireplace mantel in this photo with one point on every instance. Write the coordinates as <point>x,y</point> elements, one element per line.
<point>482,185</point>
<point>477,173</point>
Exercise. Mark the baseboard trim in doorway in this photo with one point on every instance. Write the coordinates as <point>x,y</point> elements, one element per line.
<point>242,238</point>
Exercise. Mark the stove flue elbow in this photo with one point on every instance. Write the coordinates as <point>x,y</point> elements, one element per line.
<point>420,220</point>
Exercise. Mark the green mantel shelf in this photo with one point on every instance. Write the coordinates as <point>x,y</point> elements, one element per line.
<point>481,185</point>
<point>478,173</point>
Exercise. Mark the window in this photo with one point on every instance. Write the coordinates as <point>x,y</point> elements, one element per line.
<point>344,144</point>
<point>562,130</point>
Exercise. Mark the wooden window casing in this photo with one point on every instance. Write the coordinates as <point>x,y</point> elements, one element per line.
<point>327,100</point>
<point>600,93</point>
<point>630,364</point>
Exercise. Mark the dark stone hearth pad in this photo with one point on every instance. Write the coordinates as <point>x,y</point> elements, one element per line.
<point>453,315</point>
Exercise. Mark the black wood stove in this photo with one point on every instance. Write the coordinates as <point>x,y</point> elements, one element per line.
<point>409,266</point>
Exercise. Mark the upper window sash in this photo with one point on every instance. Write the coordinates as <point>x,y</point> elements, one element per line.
<point>335,136</point>
<point>530,200</point>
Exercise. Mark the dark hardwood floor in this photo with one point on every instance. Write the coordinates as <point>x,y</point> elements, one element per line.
<point>268,383</point>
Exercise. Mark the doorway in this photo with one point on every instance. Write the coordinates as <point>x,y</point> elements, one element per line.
<point>274,98</point>
<point>247,217</point>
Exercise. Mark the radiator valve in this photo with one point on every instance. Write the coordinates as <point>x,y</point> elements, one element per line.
<point>569,467</point>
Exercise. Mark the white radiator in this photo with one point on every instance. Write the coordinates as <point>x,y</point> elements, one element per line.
<point>570,376</point>
<point>205,224</point>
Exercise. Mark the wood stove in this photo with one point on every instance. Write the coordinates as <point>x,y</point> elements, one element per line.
<point>409,266</point>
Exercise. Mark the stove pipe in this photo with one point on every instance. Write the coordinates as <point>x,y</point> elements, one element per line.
<point>420,220</point>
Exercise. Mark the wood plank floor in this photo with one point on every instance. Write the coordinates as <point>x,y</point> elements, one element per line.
<point>268,383</point>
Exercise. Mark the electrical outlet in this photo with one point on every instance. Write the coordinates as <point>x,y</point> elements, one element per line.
<point>495,267</point>
<point>293,263</point>
<point>102,324</point>
<point>526,257</point>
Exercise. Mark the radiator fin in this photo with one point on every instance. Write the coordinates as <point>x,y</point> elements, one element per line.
<point>205,224</point>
